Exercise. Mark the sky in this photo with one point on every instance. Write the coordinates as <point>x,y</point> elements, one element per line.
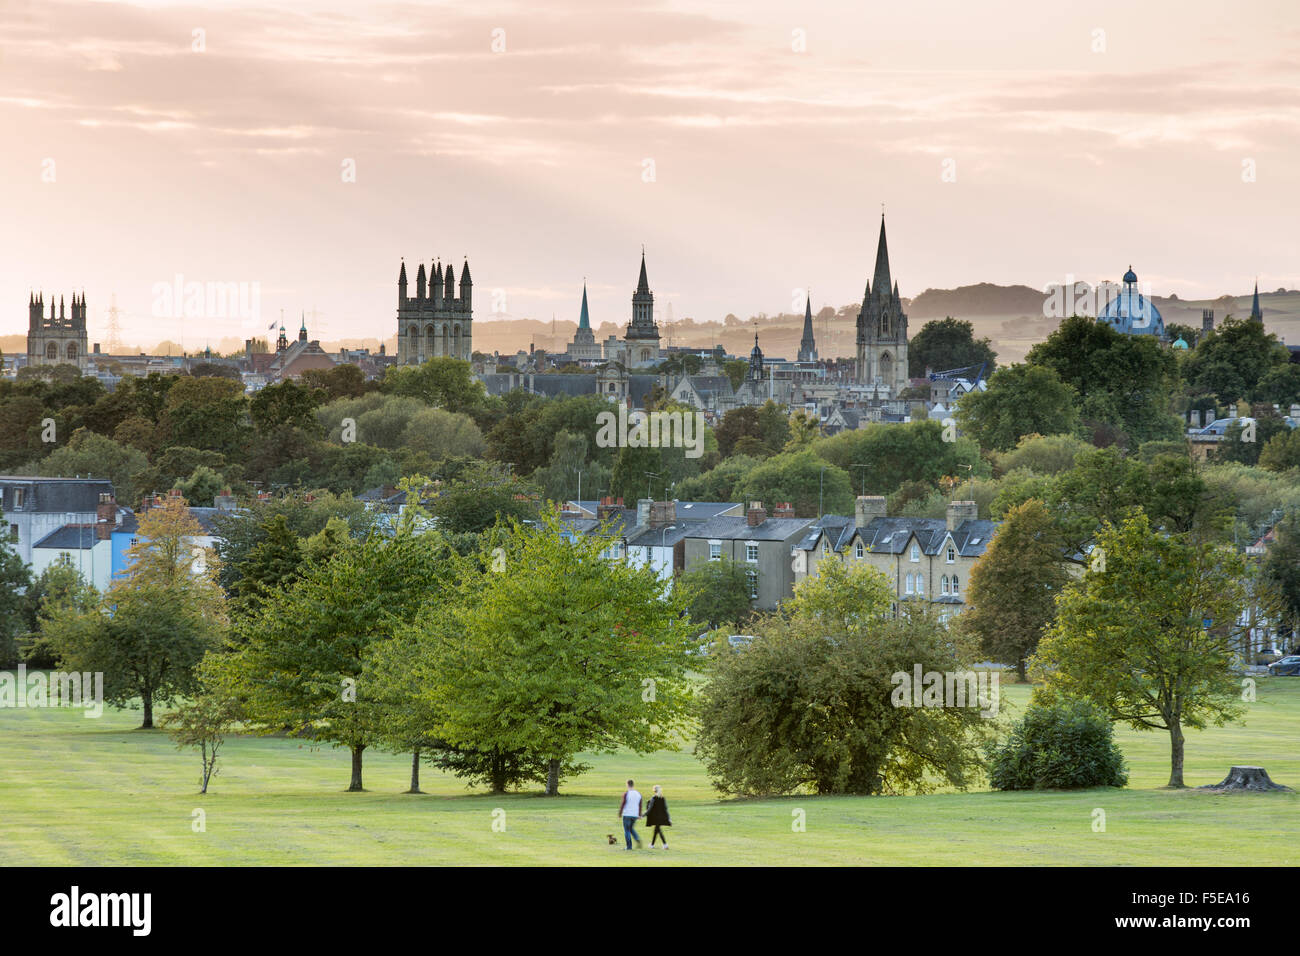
<point>305,148</point>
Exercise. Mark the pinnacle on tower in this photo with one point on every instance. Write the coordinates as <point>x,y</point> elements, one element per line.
<point>464,274</point>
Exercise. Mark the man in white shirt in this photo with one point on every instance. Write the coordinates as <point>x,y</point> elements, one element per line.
<point>630,811</point>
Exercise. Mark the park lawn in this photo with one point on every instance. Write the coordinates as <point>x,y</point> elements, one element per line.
<point>77,791</point>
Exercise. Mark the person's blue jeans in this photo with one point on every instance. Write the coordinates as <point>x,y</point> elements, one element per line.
<point>629,831</point>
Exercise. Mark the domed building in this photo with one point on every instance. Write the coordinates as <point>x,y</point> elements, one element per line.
<point>1133,313</point>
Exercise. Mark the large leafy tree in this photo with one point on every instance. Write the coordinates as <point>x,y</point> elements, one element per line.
<point>1020,400</point>
<point>1281,570</point>
<point>150,629</point>
<point>300,664</point>
<point>1150,633</point>
<point>1125,383</point>
<point>442,382</point>
<point>550,649</point>
<point>880,458</point>
<point>1013,587</point>
<point>948,343</point>
<point>1235,359</point>
<point>808,705</point>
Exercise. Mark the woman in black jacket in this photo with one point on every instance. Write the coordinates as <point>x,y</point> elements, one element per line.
<point>656,815</point>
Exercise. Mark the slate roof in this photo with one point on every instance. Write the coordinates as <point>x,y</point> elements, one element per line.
<point>619,523</point>
<point>70,537</point>
<point>553,384</point>
<point>659,537</point>
<point>53,495</point>
<point>891,535</point>
<point>739,529</point>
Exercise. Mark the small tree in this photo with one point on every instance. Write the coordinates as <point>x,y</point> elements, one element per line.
<point>203,724</point>
<point>1149,633</point>
<point>152,627</point>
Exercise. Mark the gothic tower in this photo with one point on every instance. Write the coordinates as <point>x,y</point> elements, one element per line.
<point>882,328</point>
<point>642,336</point>
<point>60,339</point>
<point>435,323</point>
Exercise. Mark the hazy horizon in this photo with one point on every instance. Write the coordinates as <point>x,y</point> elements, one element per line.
<point>520,138</point>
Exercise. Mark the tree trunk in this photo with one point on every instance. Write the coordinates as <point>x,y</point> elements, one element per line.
<point>356,768</point>
<point>1021,674</point>
<point>415,772</point>
<point>553,778</point>
<point>147,699</point>
<point>1176,755</point>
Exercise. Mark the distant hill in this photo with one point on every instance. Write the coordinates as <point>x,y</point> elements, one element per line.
<point>981,299</point>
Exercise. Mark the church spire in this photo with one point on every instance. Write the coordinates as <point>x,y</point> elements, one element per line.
<point>584,320</point>
<point>881,282</point>
<point>643,284</point>
<point>807,344</point>
<point>1255,312</point>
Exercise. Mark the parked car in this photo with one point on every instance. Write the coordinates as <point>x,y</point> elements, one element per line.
<point>1267,655</point>
<point>1286,667</point>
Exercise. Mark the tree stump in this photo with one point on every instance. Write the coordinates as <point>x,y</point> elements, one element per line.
<point>1245,778</point>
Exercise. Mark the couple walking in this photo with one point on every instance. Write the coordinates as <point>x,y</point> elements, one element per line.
<point>656,815</point>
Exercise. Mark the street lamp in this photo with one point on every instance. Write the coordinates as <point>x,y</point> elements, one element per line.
<point>663,546</point>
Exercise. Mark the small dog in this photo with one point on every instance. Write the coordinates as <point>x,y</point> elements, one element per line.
<point>612,841</point>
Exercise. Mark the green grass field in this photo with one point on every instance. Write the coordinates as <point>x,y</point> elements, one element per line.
<point>76,791</point>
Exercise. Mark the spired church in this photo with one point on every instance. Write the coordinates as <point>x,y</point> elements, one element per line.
<point>59,339</point>
<point>639,347</point>
<point>435,322</point>
<point>882,328</point>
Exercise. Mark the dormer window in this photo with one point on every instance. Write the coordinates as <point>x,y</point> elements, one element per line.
<point>916,552</point>
<point>860,551</point>
<point>952,554</point>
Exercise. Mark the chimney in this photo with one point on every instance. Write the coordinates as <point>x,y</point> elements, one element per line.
<point>643,512</point>
<point>224,501</point>
<point>663,513</point>
<point>959,511</point>
<point>868,507</point>
<point>783,510</point>
<point>174,493</point>
<point>106,511</point>
<point>263,496</point>
<point>756,515</point>
<point>608,506</point>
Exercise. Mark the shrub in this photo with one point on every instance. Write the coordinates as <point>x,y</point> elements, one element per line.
<point>1058,745</point>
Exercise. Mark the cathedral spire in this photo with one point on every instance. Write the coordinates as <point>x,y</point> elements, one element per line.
<point>584,320</point>
<point>881,282</point>
<point>807,344</point>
